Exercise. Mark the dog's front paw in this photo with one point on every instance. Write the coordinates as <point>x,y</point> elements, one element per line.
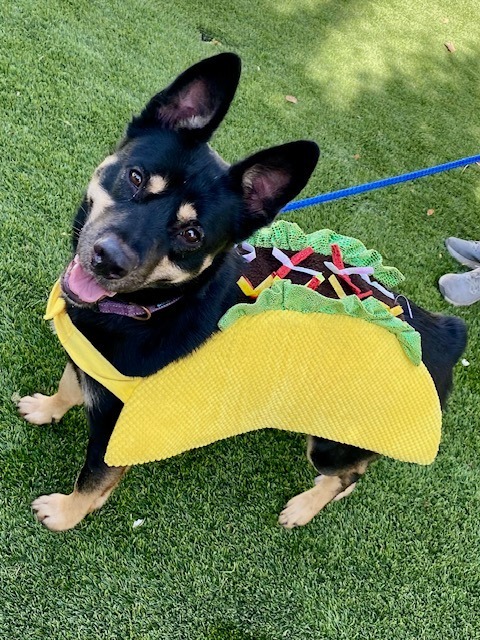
<point>57,511</point>
<point>298,511</point>
<point>39,409</point>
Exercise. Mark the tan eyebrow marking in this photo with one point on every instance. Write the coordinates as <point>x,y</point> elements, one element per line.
<point>156,184</point>
<point>186,213</point>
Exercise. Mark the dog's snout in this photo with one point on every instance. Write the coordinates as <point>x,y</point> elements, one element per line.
<point>111,258</point>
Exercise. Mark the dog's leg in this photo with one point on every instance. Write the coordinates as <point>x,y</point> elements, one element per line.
<point>40,409</point>
<point>302,508</point>
<point>96,480</point>
<point>59,512</point>
<point>343,494</point>
<point>340,465</point>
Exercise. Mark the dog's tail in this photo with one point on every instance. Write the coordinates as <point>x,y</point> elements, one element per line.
<point>444,339</point>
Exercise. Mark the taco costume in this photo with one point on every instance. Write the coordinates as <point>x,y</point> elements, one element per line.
<point>319,346</point>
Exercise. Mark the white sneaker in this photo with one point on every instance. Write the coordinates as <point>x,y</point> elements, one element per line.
<point>461,289</point>
<point>466,252</point>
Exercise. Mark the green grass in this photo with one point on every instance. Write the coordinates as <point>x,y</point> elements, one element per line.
<point>397,560</point>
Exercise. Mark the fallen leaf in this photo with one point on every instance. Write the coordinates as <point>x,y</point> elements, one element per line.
<point>15,397</point>
<point>445,20</point>
<point>356,156</point>
<point>450,47</point>
<point>430,212</point>
<point>291,99</point>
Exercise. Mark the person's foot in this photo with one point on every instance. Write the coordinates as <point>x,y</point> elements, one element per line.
<point>461,289</point>
<point>466,252</point>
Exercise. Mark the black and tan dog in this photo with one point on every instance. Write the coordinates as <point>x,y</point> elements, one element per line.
<point>158,224</point>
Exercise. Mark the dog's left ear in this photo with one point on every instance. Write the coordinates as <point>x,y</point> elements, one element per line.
<point>269,179</point>
<point>197,101</point>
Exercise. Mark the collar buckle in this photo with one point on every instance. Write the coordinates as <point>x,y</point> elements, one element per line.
<point>144,318</point>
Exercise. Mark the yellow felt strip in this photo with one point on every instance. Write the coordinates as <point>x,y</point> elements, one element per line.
<point>247,287</point>
<point>396,311</point>
<point>336,286</point>
<point>264,284</point>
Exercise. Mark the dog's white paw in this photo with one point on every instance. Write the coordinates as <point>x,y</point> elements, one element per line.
<point>55,512</point>
<point>299,510</point>
<point>39,409</point>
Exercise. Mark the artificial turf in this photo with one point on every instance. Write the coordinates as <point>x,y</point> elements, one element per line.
<point>380,92</point>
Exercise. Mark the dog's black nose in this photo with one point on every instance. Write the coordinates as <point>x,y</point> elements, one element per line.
<point>111,258</point>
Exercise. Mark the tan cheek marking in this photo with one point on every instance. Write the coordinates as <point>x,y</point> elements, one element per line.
<point>98,197</point>
<point>186,213</point>
<point>167,270</point>
<point>206,263</point>
<point>156,184</point>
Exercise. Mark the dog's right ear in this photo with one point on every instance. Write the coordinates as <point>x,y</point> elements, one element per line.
<point>268,180</point>
<point>197,101</point>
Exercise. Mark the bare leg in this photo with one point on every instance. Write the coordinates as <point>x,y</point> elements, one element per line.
<point>302,508</point>
<point>40,409</point>
<point>343,494</point>
<point>59,512</point>
<point>340,465</point>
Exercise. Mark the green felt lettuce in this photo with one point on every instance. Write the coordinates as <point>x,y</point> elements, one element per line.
<point>288,235</point>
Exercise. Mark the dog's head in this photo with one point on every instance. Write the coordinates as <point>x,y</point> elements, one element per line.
<point>161,208</point>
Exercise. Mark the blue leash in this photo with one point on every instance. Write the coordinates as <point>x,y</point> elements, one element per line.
<point>378,184</point>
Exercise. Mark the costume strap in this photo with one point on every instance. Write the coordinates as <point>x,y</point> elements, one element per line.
<point>83,353</point>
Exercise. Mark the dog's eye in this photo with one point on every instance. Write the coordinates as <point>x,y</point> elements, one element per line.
<point>191,236</point>
<point>135,177</point>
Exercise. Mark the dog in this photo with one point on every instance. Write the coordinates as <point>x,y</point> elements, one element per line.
<point>159,222</point>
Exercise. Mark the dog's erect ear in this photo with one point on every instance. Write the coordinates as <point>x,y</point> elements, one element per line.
<point>269,179</point>
<point>197,101</point>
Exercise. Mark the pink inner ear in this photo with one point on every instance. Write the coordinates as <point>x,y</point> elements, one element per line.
<point>263,184</point>
<point>192,102</point>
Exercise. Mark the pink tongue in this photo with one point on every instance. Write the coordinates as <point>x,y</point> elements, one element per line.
<point>83,285</point>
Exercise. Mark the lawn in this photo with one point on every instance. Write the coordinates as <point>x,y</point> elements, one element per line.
<point>381,94</point>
